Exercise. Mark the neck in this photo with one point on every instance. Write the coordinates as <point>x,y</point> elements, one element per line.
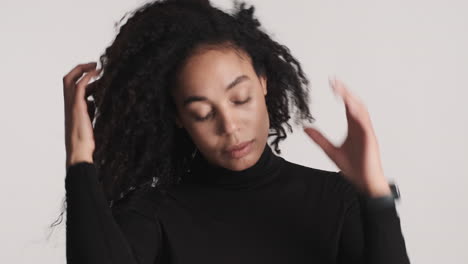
<point>264,170</point>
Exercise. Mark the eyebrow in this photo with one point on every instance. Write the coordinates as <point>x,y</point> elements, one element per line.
<point>192,99</point>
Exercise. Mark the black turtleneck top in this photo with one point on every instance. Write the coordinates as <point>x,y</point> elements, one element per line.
<point>273,212</point>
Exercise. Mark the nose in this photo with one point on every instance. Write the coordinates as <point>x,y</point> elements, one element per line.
<point>228,122</point>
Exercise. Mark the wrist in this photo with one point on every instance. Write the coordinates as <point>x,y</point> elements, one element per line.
<point>379,190</point>
<point>375,189</point>
<point>381,200</point>
<point>76,158</point>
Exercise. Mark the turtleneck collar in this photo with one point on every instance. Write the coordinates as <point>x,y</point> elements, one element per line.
<point>264,170</point>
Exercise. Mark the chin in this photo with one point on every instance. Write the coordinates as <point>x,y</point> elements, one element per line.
<point>246,161</point>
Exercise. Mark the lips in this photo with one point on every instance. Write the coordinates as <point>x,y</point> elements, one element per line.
<point>238,146</point>
<point>240,150</point>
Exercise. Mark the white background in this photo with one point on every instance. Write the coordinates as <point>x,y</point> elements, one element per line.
<point>407,60</point>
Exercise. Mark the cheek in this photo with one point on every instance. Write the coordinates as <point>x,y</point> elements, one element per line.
<point>202,135</point>
<point>254,115</point>
<point>260,108</point>
<point>262,118</point>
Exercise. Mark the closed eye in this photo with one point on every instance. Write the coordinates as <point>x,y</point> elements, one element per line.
<point>211,113</point>
<point>242,102</point>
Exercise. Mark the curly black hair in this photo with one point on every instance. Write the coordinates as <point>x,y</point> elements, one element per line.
<point>137,140</point>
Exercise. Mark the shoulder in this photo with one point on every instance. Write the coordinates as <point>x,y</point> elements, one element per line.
<point>144,201</point>
<point>307,174</point>
<point>330,184</point>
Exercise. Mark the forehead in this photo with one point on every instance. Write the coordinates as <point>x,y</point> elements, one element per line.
<point>212,68</point>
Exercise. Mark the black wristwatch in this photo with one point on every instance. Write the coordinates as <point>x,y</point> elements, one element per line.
<point>382,201</point>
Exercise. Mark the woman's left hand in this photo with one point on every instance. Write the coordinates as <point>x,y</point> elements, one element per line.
<point>358,157</point>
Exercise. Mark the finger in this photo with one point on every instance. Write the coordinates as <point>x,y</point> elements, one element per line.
<point>71,77</point>
<point>91,88</point>
<point>323,142</point>
<point>81,85</point>
<point>343,89</point>
<point>340,92</point>
<point>355,109</point>
<point>91,109</point>
<point>340,89</point>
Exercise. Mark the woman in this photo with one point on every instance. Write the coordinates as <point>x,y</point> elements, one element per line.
<point>177,168</point>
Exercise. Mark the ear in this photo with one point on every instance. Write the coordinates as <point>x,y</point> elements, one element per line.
<point>263,82</point>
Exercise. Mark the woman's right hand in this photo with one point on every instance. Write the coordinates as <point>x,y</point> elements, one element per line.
<point>79,136</point>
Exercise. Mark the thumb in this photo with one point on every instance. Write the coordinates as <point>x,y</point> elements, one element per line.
<point>323,142</point>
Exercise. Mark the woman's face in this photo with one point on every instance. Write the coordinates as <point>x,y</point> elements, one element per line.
<point>221,103</point>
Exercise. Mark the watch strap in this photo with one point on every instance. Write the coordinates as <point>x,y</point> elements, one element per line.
<point>380,202</point>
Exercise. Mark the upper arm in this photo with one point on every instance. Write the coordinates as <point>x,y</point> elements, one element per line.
<point>142,231</point>
<point>128,233</point>
<point>351,247</point>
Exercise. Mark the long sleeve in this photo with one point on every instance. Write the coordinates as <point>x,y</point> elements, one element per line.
<point>95,233</point>
<point>371,234</point>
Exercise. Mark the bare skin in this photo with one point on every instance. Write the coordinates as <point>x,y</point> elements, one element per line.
<point>79,136</point>
<point>233,115</point>
<point>358,157</point>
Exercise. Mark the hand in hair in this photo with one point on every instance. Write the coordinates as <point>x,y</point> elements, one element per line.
<point>79,138</point>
